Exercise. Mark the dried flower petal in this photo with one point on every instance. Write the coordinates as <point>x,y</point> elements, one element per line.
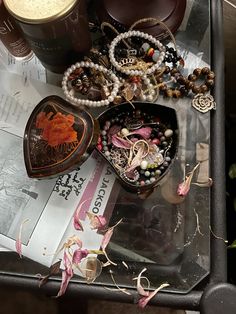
<point>112,131</point>
<point>71,241</point>
<point>144,132</point>
<point>184,187</point>
<point>18,244</point>
<point>120,142</point>
<point>67,274</point>
<point>78,255</point>
<point>77,223</point>
<point>140,288</point>
<point>97,221</point>
<point>144,300</point>
<point>54,269</point>
<point>106,238</point>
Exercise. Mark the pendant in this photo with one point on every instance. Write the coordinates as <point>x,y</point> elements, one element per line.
<point>203,103</point>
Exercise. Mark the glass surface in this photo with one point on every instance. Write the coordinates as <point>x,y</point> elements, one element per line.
<point>168,237</point>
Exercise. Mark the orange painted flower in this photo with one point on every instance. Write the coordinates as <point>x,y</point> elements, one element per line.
<point>57,129</point>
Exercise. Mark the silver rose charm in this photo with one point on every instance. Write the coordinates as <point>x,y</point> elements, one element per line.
<point>203,103</point>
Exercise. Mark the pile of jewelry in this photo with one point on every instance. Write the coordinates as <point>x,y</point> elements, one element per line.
<point>138,145</point>
<point>134,66</point>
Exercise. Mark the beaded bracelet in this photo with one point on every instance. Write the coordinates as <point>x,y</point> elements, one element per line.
<point>147,37</point>
<point>85,102</point>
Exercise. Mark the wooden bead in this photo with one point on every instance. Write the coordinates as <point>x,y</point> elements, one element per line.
<point>192,77</point>
<point>163,87</point>
<point>183,91</point>
<point>211,75</point>
<point>205,71</point>
<point>181,80</point>
<point>204,88</point>
<point>169,92</point>
<point>196,89</point>
<point>197,72</point>
<point>189,84</point>
<point>173,71</point>
<point>176,93</point>
<point>210,82</point>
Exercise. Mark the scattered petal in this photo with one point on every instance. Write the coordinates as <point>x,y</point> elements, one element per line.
<point>144,132</point>
<point>77,223</point>
<point>78,255</point>
<point>18,244</point>
<point>118,288</point>
<point>120,142</point>
<point>184,187</point>
<point>145,299</point>
<point>106,238</point>
<point>71,241</point>
<point>124,263</point>
<point>54,269</point>
<point>140,288</point>
<point>67,274</point>
<point>112,131</point>
<point>209,183</point>
<point>97,221</point>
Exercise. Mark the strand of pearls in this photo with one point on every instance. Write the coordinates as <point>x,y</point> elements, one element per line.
<point>69,93</point>
<point>147,37</point>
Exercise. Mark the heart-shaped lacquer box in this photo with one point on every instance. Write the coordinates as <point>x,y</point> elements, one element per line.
<point>138,140</point>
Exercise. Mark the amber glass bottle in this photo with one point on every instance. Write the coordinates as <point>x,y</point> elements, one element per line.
<point>11,36</point>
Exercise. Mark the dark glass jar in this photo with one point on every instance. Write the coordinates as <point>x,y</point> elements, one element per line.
<point>11,36</point>
<point>56,30</point>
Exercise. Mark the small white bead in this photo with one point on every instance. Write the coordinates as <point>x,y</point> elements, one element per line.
<point>149,98</point>
<point>143,164</point>
<point>124,131</point>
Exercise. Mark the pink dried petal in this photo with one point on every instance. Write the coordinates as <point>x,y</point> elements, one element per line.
<point>184,187</point>
<point>79,255</point>
<point>144,300</point>
<point>77,223</point>
<point>112,131</point>
<point>145,132</point>
<point>67,274</point>
<point>18,244</point>
<point>19,247</point>
<point>120,142</point>
<point>97,221</point>
<point>66,277</point>
<point>140,288</point>
<point>106,238</point>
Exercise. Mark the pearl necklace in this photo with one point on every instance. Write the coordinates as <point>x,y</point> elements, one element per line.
<point>147,37</point>
<point>69,93</point>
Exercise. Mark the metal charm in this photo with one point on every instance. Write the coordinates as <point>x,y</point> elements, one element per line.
<point>203,103</point>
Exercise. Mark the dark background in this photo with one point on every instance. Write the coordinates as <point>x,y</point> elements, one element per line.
<point>230,108</point>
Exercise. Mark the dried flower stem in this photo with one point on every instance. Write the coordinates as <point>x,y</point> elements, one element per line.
<point>217,237</point>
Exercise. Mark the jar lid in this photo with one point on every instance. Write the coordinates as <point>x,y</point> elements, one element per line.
<point>122,14</point>
<point>58,138</point>
<point>38,11</point>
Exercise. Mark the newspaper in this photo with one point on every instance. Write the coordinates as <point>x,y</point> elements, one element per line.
<point>48,206</point>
